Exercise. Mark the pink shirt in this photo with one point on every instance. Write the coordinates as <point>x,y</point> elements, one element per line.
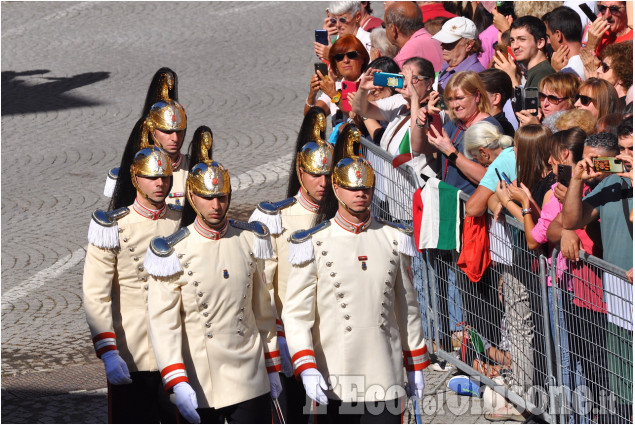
<point>421,45</point>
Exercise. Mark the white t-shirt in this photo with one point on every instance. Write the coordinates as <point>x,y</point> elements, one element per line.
<point>575,65</point>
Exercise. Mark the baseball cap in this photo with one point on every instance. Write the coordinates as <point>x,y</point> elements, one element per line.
<point>455,29</point>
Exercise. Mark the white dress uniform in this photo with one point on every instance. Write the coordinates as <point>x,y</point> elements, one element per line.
<point>179,176</point>
<point>351,310</point>
<point>211,316</point>
<point>115,282</point>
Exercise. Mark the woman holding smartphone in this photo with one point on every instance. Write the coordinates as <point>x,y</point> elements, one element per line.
<point>348,59</point>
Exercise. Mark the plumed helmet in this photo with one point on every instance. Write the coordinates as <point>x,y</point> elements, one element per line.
<point>167,115</point>
<point>150,162</point>
<point>208,179</point>
<point>353,172</point>
<point>316,157</point>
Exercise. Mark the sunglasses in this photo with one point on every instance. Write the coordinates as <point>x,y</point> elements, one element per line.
<point>613,9</point>
<point>339,57</point>
<point>605,67</point>
<point>342,20</point>
<point>554,100</point>
<point>584,100</point>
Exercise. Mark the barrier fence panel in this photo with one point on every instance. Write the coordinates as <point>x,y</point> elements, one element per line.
<point>561,352</point>
<point>595,304</point>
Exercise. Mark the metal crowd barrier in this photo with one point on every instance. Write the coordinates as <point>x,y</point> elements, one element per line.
<point>503,331</point>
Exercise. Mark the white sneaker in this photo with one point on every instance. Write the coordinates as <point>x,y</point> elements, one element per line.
<point>441,368</point>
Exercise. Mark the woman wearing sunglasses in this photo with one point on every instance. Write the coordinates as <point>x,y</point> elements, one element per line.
<point>617,67</point>
<point>343,18</point>
<point>598,97</point>
<point>348,59</point>
<point>556,94</point>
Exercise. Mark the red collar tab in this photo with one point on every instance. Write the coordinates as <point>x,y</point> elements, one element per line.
<point>147,212</point>
<point>304,201</point>
<point>352,227</point>
<point>208,233</point>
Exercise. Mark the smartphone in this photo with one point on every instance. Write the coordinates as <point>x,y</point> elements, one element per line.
<point>348,87</point>
<point>441,102</point>
<point>510,53</point>
<point>507,180</point>
<point>386,79</point>
<point>588,12</point>
<point>564,174</point>
<point>322,67</point>
<point>322,37</point>
<point>608,164</point>
<point>498,174</point>
<point>531,99</point>
<point>517,100</point>
<point>435,121</point>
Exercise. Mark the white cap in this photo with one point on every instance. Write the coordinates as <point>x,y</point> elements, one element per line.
<point>455,29</point>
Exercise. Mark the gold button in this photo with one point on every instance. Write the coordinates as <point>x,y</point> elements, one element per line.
<point>341,295</point>
<point>347,317</point>
<point>136,258</point>
<point>329,264</point>
<point>394,242</point>
<point>145,287</point>
<point>190,273</point>
<point>186,264</point>
<point>144,278</point>
<point>324,252</point>
<point>131,249</point>
<point>348,328</point>
<point>120,231</point>
<point>180,255</point>
<point>337,284</point>
<point>387,282</point>
<point>204,305</point>
<point>209,334</point>
<point>251,263</point>
<point>200,294</point>
<point>394,252</point>
<point>332,274</point>
<point>208,324</point>
<point>124,239</point>
<point>140,268</point>
<point>343,305</point>
<point>195,283</point>
<point>248,274</point>
<point>318,243</point>
<point>206,314</point>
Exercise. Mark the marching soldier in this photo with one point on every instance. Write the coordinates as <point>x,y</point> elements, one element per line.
<point>211,317</point>
<point>351,313</point>
<point>308,185</point>
<point>115,291</point>
<point>163,124</point>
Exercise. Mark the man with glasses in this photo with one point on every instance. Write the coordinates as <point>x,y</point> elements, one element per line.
<point>404,29</point>
<point>460,47</point>
<point>342,18</point>
<point>564,34</point>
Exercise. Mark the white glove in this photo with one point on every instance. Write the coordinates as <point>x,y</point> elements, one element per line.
<point>186,402</point>
<point>314,385</point>
<point>116,368</point>
<point>285,357</point>
<point>274,384</point>
<point>416,383</point>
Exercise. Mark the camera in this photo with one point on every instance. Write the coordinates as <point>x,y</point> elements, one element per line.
<point>526,98</point>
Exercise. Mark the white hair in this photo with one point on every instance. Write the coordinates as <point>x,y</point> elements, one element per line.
<point>484,135</point>
<point>341,7</point>
<point>379,40</point>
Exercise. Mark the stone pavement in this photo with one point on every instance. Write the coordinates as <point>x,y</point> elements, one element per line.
<point>74,77</point>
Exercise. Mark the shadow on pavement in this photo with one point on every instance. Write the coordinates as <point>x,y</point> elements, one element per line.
<point>22,92</point>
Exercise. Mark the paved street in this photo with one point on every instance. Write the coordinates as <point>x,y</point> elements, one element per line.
<point>74,78</point>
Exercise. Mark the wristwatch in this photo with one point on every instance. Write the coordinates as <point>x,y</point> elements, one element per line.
<point>453,156</point>
<point>337,97</point>
<point>525,211</point>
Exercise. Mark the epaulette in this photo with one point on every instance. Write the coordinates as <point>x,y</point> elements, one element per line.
<point>262,242</point>
<point>301,247</point>
<point>175,207</point>
<point>268,213</point>
<point>103,231</point>
<point>111,182</point>
<point>406,240</point>
<point>161,259</point>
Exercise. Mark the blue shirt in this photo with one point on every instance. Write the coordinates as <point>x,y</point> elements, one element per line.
<point>470,63</point>
<point>452,175</point>
<point>505,162</point>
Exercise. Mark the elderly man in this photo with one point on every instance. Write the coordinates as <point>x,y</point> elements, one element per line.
<point>343,17</point>
<point>460,47</point>
<point>404,29</point>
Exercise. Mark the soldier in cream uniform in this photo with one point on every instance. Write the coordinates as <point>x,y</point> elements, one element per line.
<point>115,291</point>
<point>308,185</point>
<point>164,126</point>
<point>211,318</point>
<point>351,313</point>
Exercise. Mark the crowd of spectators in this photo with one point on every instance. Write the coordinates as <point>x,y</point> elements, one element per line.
<point>536,90</point>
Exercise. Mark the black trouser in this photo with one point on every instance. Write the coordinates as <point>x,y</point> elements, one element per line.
<point>142,402</point>
<point>377,412</point>
<point>293,401</point>
<point>254,411</point>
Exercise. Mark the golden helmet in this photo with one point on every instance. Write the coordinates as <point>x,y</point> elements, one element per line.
<point>315,157</point>
<point>208,179</point>
<point>352,171</point>
<point>150,162</point>
<point>167,115</point>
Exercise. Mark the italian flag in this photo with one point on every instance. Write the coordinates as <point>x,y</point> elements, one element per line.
<point>404,154</point>
<point>440,220</point>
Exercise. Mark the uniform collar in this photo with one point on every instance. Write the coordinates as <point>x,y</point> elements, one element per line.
<point>147,212</point>
<point>352,227</point>
<point>304,201</point>
<point>177,164</point>
<point>209,233</point>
